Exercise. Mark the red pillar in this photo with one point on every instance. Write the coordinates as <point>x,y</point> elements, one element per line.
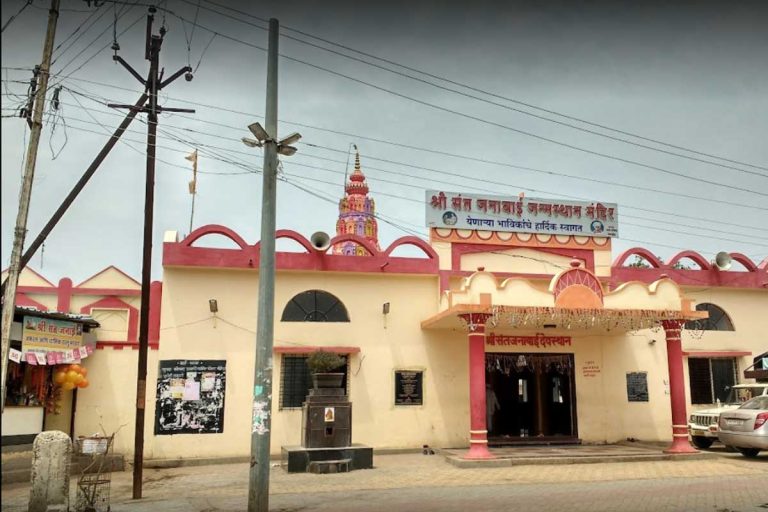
<point>677,388</point>
<point>64,298</point>
<point>478,433</point>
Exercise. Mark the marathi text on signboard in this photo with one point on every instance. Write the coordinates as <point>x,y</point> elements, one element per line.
<point>409,387</point>
<point>637,386</point>
<point>46,335</point>
<point>190,397</point>
<point>521,215</point>
<point>539,340</point>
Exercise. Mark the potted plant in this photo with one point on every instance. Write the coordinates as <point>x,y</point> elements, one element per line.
<point>322,365</point>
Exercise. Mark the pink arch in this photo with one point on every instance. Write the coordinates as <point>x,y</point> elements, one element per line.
<point>744,260</point>
<point>213,229</point>
<point>412,240</point>
<point>700,260</point>
<point>764,265</point>
<point>639,251</point>
<point>349,237</point>
<point>295,236</point>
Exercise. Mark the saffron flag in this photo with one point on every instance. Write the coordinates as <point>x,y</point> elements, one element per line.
<point>192,157</point>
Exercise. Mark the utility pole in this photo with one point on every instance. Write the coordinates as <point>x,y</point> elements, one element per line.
<point>14,267</point>
<point>258,480</point>
<point>261,423</point>
<point>153,84</point>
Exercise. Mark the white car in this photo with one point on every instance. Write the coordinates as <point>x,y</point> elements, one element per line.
<point>702,425</point>
<point>746,428</point>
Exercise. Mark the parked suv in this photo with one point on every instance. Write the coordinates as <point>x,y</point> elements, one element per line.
<point>702,425</point>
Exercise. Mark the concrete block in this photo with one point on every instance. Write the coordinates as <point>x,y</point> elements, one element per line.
<point>51,453</point>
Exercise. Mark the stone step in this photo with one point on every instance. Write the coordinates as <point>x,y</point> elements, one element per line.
<point>329,466</point>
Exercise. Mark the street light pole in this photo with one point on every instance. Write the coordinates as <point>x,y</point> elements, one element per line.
<point>258,481</point>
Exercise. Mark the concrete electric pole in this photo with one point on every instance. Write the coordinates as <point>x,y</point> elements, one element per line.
<point>14,267</point>
<point>261,422</point>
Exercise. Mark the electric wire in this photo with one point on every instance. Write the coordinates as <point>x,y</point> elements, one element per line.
<point>14,16</point>
<point>476,89</point>
<point>394,172</point>
<point>427,82</point>
<point>476,159</point>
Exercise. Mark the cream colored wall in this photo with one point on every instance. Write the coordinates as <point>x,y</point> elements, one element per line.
<point>516,260</point>
<point>189,333</point>
<point>110,278</point>
<point>603,261</point>
<point>109,402</point>
<point>635,352</point>
<point>443,250</point>
<point>747,310</point>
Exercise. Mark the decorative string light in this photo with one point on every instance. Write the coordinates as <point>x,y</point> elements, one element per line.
<point>586,318</point>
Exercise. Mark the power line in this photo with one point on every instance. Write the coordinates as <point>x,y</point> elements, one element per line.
<point>485,121</point>
<point>521,111</point>
<point>633,187</point>
<point>89,59</point>
<point>476,89</point>
<point>249,171</point>
<point>76,31</point>
<point>421,201</point>
<point>13,17</point>
<point>676,214</point>
<point>612,183</point>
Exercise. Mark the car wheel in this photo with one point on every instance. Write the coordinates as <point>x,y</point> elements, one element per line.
<point>702,442</point>
<point>730,449</point>
<point>749,452</point>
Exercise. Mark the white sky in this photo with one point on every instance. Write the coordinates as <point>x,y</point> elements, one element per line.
<point>692,76</point>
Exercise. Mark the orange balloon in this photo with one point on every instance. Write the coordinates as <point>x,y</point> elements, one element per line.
<point>83,383</point>
<point>78,380</point>
<point>59,377</point>
<point>83,371</point>
<point>67,386</point>
<point>72,375</point>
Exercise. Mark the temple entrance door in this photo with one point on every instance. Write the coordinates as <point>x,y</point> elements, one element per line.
<point>530,398</point>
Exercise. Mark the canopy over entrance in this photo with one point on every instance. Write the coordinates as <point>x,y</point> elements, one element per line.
<point>574,300</point>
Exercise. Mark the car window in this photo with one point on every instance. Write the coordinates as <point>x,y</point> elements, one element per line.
<point>738,396</point>
<point>760,402</point>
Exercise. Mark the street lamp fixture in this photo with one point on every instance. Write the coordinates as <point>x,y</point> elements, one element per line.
<point>283,146</point>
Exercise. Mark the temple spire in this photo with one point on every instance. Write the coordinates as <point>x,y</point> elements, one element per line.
<point>357,213</point>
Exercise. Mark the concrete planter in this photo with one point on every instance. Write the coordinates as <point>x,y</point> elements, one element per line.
<point>327,380</point>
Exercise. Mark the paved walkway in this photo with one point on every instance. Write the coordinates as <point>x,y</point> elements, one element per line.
<point>726,483</point>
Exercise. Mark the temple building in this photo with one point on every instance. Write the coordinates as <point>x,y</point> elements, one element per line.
<point>357,215</point>
<point>514,324</point>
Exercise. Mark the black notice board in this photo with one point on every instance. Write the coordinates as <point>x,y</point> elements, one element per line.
<point>409,387</point>
<point>190,397</point>
<point>637,386</point>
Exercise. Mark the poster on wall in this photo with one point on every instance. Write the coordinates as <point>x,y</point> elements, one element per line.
<point>637,387</point>
<point>409,387</point>
<point>190,397</point>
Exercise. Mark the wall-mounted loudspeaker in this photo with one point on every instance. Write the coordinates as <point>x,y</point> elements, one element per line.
<point>723,261</point>
<point>320,241</point>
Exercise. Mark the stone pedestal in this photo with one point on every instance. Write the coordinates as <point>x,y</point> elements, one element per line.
<point>51,453</point>
<point>326,437</point>
<point>326,420</point>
